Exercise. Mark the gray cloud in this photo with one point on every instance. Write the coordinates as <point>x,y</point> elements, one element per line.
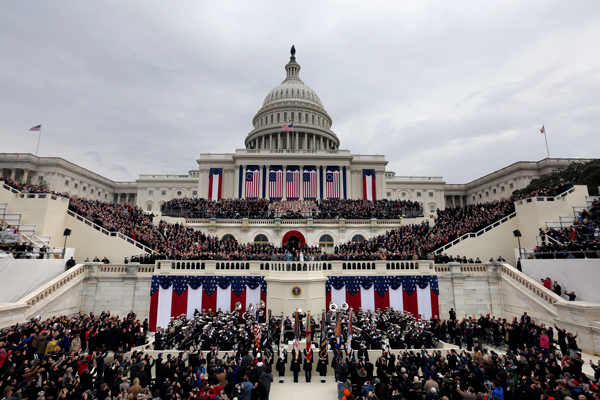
<point>447,89</point>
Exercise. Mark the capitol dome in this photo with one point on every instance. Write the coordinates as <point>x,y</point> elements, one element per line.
<point>292,118</point>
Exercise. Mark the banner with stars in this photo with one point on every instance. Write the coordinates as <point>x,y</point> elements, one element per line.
<point>173,296</point>
<point>416,294</point>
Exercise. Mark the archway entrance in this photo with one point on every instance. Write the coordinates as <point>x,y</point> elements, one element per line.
<point>293,240</point>
<point>293,243</point>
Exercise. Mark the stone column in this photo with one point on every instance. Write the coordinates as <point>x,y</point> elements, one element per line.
<point>297,141</point>
<point>13,172</point>
<point>279,141</point>
<point>25,175</point>
<point>287,142</point>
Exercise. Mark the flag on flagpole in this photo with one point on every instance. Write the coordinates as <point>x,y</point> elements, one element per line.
<point>337,352</point>
<point>281,339</point>
<point>308,343</point>
<point>296,335</point>
<point>543,130</point>
<point>349,339</point>
<point>257,336</point>
<point>288,128</point>
<point>36,128</point>
<point>323,348</point>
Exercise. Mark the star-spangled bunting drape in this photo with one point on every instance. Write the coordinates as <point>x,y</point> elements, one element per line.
<point>215,182</point>
<point>172,296</point>
<point>417,294</point>
<point>369,190</point>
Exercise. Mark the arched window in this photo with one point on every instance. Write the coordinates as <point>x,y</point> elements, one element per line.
<point>303,93</point>
<point>286,92</point>
<point>292,115</point>
<point>271,118</point>
<point>313,119</point>
<point>306,118</point>
<point>326,241</point>
<point>358,238</point>
<point>284,117</point>
<point>292,92</point>
<point>318,121</point>
<point>228,237</point>
<point>261,239</point>
<point>278,117</point>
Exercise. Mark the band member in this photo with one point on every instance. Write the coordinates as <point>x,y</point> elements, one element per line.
<point>281,362</point>
<point>296,363</point>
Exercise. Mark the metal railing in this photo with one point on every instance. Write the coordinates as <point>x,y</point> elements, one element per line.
<point>563,254</point>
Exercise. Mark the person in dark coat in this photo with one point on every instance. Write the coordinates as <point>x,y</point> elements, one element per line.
<point>296,363</point>
<point>308,364</point>
<point>281,363</point>
<point>322,367</point>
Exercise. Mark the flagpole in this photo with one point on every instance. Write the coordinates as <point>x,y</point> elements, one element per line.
<point>546,139</point>
<point>39,139</point>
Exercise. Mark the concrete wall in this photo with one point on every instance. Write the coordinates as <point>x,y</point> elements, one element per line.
<point>498,241</point>
<point>89,242</point>
<point>47,214</point>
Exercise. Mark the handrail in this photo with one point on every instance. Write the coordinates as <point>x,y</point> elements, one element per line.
<point>537,288</point>
<point>109,233</point>
<point>566,253</point>
<point>478,233</point>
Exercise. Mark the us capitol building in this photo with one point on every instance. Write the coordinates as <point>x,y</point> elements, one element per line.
<point>291,133</point>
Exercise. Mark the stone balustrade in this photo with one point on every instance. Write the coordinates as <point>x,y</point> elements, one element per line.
<point>262,267</point>
<point>54,285</point>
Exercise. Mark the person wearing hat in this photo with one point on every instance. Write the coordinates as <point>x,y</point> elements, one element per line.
<point>363,354</point>
<point>296,363</point>
<point>322,366</point>
<point>307,367</point>
<point>281,363</point>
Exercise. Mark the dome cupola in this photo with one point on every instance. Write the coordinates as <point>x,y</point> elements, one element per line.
<point>292,103</point>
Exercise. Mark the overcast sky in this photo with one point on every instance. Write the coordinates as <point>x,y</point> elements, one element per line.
<point>456,89</point>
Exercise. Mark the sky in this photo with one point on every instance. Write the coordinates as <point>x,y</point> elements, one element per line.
<point>454,89</point>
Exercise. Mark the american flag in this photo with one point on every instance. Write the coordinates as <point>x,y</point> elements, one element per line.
<point>275,182</point>
<point>36,128</point>
<point>308,342</point>
<point>543,130</point>
<point>309,179</point>
<point>349,339</point>
<point>252,181</point>
<point>292,179</point>
<point>288,128</point>
<point>332,177</point>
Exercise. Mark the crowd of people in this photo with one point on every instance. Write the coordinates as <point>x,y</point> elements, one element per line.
<point>291,209</point>
<point>580,240</point>
<point>546,192</point>
<point>84,357</point>
<point>417,241</point>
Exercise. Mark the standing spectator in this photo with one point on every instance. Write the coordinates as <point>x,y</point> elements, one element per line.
<point>557,289</point>
<point>572,296</point>
<point>71,263</point>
